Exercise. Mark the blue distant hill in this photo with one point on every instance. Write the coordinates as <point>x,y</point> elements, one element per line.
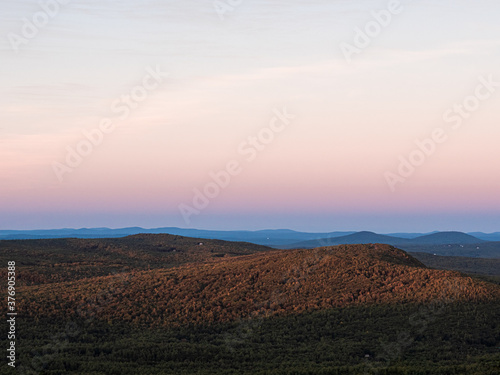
<point>269,237</point>
<point>437,238</point>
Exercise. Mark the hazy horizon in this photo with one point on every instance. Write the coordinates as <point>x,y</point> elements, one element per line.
<point>255,229</point>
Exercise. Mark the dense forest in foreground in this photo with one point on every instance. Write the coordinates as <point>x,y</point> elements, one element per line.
<point>161,304</point>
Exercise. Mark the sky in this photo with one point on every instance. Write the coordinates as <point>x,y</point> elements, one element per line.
<point>310,115</point>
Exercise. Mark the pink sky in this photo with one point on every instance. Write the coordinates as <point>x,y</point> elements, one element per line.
<point>203,86</point>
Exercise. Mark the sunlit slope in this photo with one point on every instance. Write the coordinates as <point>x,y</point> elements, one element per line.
<point>265,284</point>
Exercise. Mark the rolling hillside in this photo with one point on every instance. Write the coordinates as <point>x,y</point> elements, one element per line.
<point>161,304</point>
<point>57,260</point>
<point>274,283</point>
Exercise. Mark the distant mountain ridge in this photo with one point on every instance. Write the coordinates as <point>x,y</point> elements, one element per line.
<point>438,243</point>
<point>441,243</point>
<point>447,238</point>
<point>439,238</point>
<point>363,237</point>
<point>269,237</point>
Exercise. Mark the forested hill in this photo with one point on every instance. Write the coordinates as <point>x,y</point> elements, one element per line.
<point>163,304</point>
<point>279,282</point>
<point>55,260</point>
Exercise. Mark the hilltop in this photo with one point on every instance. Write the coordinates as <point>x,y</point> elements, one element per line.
<point>269,283</point>
<point>447,238</point>
<point>363,237</point>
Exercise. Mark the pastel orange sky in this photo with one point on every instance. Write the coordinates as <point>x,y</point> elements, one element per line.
<point>204,84</point>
